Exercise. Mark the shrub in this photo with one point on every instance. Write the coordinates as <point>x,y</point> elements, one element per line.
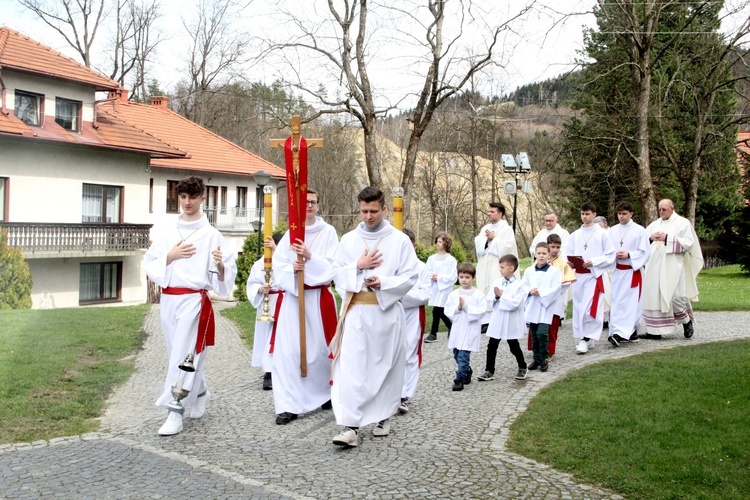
<point>456,251</point>
<point>15,277</point>
<point>245,262</point>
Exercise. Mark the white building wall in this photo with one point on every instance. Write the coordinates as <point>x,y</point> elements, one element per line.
<point>50,89</point>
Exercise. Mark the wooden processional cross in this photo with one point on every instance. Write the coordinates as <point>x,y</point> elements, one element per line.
<point>295,157</point>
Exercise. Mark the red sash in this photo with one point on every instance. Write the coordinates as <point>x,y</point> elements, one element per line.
<point>276,310</point>
<point>206,324</point>
<point>422,323</point>
<point>637,280</point>
<point>598,290</point>
<point>327,312</point>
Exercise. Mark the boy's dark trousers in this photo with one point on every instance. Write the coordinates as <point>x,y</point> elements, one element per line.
<point>515,350</point>
<point>438,313</point>
<point>553,329</point>
<point>539,333</point>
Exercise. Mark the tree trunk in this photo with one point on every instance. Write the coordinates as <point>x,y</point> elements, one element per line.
<point>374,174</point>
<point>645,185</point>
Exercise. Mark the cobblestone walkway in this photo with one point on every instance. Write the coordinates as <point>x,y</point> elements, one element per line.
<point>450,445</point>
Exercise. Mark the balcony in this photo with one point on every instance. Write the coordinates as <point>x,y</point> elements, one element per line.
<point>39,240</point>
<point>234,220</point>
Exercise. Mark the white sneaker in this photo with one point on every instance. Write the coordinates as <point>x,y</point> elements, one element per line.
<point>347,438</point>
<point>199,408</point>
<point>172,426</point>
<point>582,347</point>
<point>382,429</point>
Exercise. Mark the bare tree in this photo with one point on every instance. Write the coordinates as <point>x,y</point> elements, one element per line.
<point>76,20</point>
<point>351,42</point>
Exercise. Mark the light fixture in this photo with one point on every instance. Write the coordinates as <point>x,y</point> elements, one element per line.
<point>508,162</point>
<point>522,159</point>
<point>261,178</point>
<point>397,192</point>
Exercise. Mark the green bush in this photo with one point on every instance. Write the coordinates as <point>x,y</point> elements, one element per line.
<point>245,262</point>
<point>15,277</point>
<point>456,251</point>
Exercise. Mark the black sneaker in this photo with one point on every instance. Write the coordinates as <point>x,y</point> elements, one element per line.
<point>267,385</point>
<point>613,341</point>
<point>634,337</point>
<point>486,376</point>
<point>688,329</point>
<point>521,375</point>
<point>458,385</point>
<point>467,379</point>
<point>285,418</point>
<point>533,365</point>
<point>543,366</point>
<point>430,338</point>
<point>327,405</point>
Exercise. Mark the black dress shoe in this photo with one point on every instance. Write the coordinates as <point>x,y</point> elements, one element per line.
<point>688,329</point>
<point>543,366</point>
<point>267,385</point>
<point>649,336</point>
<point>285,418</point>
<point>327,405</point>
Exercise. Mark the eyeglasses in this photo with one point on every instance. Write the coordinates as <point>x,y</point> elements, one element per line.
<point>312,203</point>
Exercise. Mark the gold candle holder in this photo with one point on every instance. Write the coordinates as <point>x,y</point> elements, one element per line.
<point>267,254</point>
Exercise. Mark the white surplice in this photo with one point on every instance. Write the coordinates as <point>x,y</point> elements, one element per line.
<point>445,266</point>
<point>262,334</point>
<point>593,245</point>
<point>180,313</point>
<point>541,237</point>
<point>466,332</point>
<point>540,308</point>
<point>488,256</point>
<point>507,320</point>
<point>291,392</point>
<point>412,301</point>
<point>368,373</point>
<point>627,301</point>
<point>670,283</point>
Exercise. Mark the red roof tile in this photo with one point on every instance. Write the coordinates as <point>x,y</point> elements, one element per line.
<point>20,53</point>
<point>207,151</point>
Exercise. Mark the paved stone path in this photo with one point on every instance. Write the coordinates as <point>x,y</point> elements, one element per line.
<point>451,445</point>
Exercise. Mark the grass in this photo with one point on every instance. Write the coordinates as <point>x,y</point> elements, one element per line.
<point>668,424</point>
<point>723,289</point>
<point>243,315</point>
<point>57,367</point>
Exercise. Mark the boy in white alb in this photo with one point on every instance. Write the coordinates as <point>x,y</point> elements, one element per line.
<point>466,307</point>
<point>441,269</point>
<point>507,320</point>
<point>414,310</point>
<point>543,281</point>
<point>256,290</point>
<point>186,260</point>
<point>632,252</point>
<point>596,256</point>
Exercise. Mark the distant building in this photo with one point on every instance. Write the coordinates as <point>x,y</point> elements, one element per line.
<point>82,181</point>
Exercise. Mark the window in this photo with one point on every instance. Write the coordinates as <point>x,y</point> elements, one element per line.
<point>151,195</point>
<point>223,199</point>
<point>241,200</point>
<point>102,203</point>
<point>100,282</point>
<point>67,114</point>
<point>3,198</point>
<point>173,201</point>
<point>28,107</point>
<point>210,205</point>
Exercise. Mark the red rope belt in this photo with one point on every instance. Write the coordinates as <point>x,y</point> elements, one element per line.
<point>206,324</point>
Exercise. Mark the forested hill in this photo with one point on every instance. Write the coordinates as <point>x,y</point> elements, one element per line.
<point>553,92</point>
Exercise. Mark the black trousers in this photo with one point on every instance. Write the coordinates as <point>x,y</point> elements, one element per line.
<point>515,350</point>
<point>438,313</point>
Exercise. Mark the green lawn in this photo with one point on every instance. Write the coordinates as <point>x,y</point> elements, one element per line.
<point>670,424</point>
<point>243,315</point>
<point>57,367</point>
<point>723,289</point>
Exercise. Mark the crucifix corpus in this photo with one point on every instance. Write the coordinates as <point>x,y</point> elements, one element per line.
<point>295,157</point>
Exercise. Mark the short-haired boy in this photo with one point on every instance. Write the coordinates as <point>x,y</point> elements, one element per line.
<point>543,282</point>
<point>187,258</point>
<point>506,321</point>
<point>568,277</point>
<point>466,307</point>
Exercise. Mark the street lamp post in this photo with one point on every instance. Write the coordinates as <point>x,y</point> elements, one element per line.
<point>261,179</point>
<point>518,165</point>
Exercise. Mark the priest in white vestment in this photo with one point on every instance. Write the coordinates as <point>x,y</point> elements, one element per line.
<point>551,226</point>
<point>375,266</point>
<point>294,394</point>
<point>631,253</point>
<point>597,254</point>
<point>670,281</point>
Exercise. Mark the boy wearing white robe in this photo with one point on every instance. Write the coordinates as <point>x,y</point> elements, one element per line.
<point>256,290</point>
<point>466,307</point>
<point>543,281</point>
<point>187,259</point>
<point>414,311</point>
<point>507,320</point>
<point>375,266</point>
<point>632,252</point>
<point>441,268</point>
<point>591,243</point>
<point>294,394</point>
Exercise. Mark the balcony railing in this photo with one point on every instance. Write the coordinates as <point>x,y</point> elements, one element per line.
<point>76,239</point>
<point>233,219</point>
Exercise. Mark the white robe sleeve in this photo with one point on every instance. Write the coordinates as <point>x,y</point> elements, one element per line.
<point>228,258</point>
<point>155,263</point>
<point>513,297</point>
<point>420,292</point>
<point>255,280</point>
